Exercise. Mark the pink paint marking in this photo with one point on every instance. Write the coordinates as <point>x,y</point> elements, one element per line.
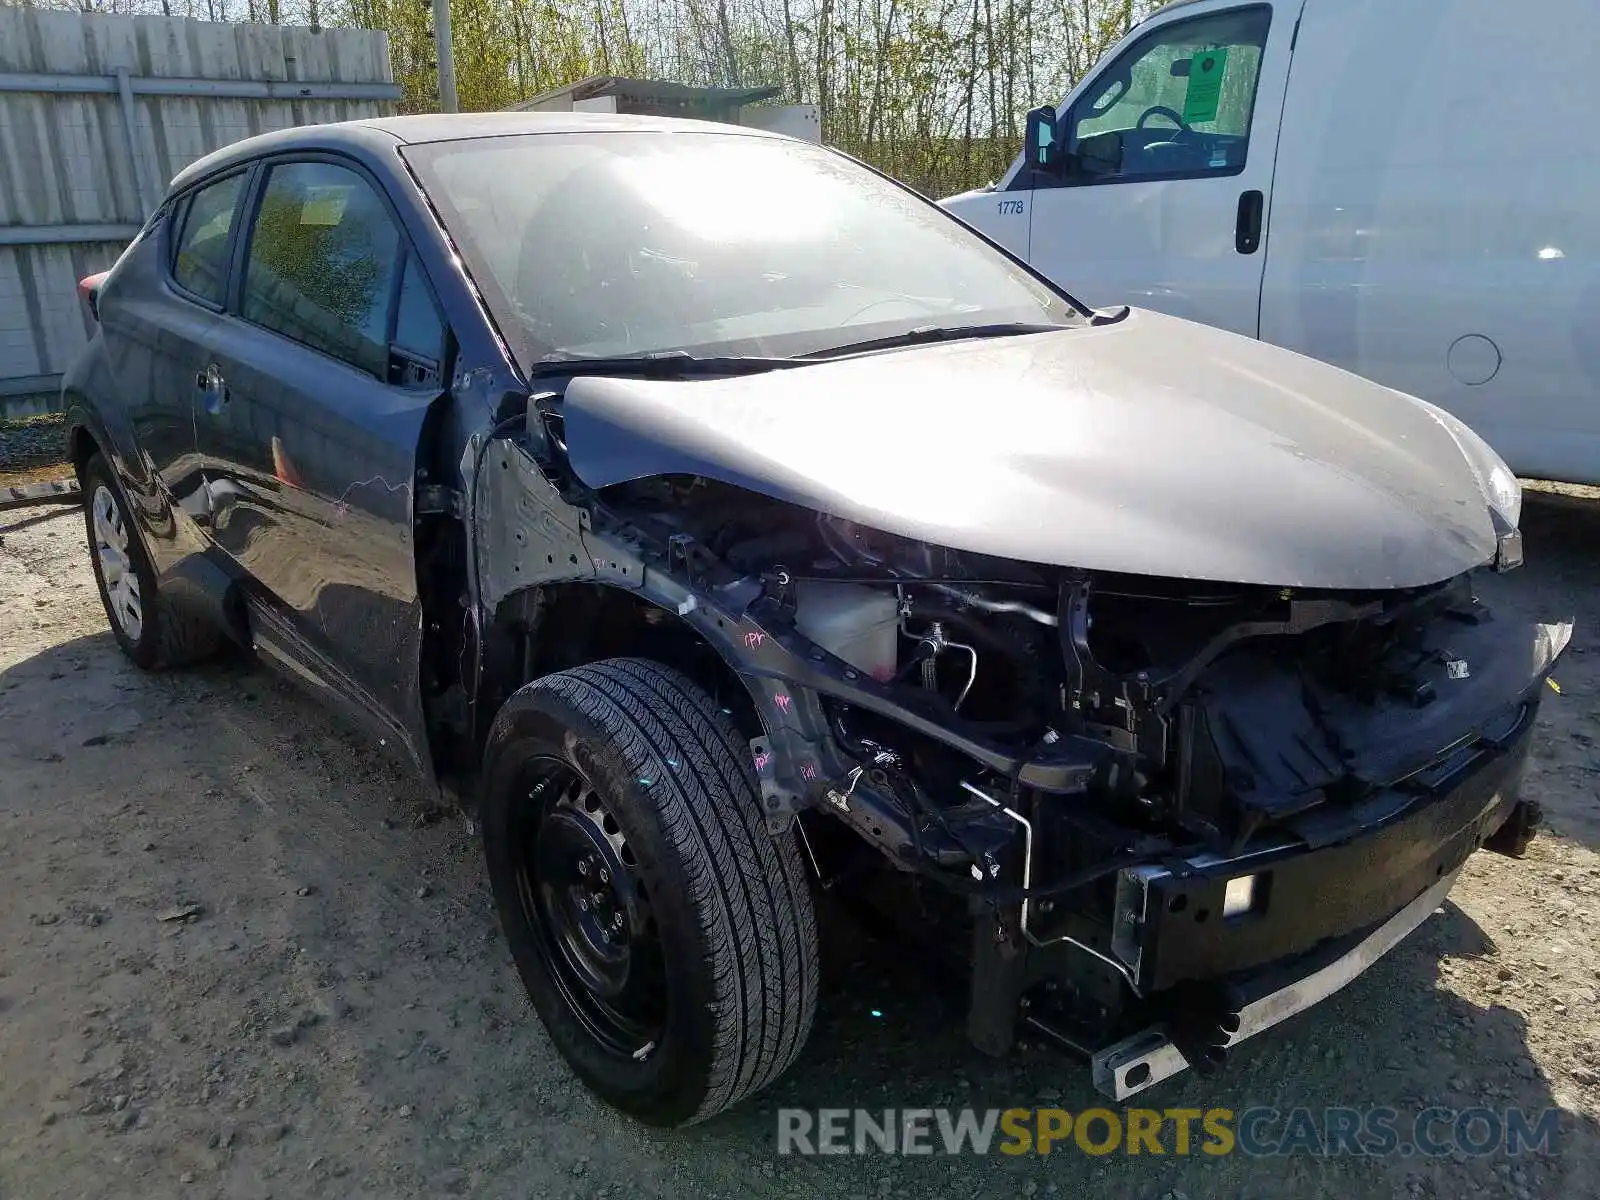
<point>808,770</point>
<point>754,638</point>
<point>762,760</point>
<point>782,702</point>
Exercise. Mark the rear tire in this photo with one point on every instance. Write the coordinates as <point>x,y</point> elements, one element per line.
<point>707,985</point>
<point>150,630</point>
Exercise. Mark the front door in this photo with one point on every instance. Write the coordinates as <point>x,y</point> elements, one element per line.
<point>323,370</point>
<point>1169,150</point>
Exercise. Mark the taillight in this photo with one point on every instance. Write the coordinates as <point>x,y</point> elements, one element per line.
<point>89,292</point>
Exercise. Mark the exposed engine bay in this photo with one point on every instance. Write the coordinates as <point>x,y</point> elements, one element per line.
<point>1217,711</point>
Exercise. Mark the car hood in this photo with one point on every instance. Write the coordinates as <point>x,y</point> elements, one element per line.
<point>1151,446</point>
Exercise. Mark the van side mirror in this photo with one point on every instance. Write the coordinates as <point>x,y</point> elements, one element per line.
<point>1041,144</point>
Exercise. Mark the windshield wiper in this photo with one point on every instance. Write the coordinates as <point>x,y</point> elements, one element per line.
<point>936,333</point>
<point>680,364</point>
<point>662,364</point>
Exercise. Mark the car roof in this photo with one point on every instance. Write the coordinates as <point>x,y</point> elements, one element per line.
<point>388,132</point>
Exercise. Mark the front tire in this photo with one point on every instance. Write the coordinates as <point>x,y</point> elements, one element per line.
<point>666,939</point>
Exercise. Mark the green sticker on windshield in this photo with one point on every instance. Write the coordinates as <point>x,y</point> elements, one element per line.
<point>1206,69</point>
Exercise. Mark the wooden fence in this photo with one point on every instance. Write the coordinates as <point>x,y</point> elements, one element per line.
<point>99,112</point>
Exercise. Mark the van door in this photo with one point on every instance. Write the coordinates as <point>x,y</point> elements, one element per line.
<point>1435,218</point>
<point>1163,194</point>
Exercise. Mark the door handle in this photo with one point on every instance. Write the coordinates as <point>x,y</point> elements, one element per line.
<point>1247,227</point>
<point>212,387</point>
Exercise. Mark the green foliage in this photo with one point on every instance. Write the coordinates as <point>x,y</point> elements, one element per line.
<point>931,91</point>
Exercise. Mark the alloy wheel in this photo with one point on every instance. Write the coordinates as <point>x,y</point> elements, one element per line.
<point>117,572</point>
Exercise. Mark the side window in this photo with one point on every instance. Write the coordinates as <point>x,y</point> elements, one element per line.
<point>200,249</point>
<point>320,268</point>
<point>1176,104</point>
<point>419,331</point>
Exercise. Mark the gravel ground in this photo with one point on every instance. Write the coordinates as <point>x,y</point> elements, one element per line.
<point>246,957</point>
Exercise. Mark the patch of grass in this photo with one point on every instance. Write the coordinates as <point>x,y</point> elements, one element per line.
<point>37,421</point>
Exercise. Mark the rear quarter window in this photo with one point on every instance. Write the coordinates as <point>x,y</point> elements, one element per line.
<point>204,225</point>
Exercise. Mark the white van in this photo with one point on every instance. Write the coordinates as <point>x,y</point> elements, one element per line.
<point>1409,189</point>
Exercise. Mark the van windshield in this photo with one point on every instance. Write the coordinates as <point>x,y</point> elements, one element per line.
<point>621,243</point>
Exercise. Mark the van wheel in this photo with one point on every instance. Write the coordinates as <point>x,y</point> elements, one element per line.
<point>666,939</point>
<point>150,630</point>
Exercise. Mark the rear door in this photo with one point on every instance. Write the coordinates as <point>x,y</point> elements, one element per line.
<point>1169,160</point>
<point>322,372</point>
<point>157,316</point>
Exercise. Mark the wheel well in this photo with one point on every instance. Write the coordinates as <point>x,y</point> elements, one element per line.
<point>541,630</point>
<point>80,447</point>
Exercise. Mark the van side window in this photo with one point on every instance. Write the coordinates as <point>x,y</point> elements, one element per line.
<point>1176,105</point>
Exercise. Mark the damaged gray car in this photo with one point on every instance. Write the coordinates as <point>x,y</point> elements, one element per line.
<point>726,522</point>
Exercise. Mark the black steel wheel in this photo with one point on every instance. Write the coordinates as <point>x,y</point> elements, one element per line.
<point>580,892</point>
<point>666,939</point>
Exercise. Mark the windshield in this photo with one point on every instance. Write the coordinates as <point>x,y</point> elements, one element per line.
<point>619,243</point>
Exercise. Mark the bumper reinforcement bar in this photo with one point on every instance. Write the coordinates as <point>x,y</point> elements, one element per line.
<point>1145,1059</point>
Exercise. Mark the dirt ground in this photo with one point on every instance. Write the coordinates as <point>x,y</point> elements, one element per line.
<point>242,957</point>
